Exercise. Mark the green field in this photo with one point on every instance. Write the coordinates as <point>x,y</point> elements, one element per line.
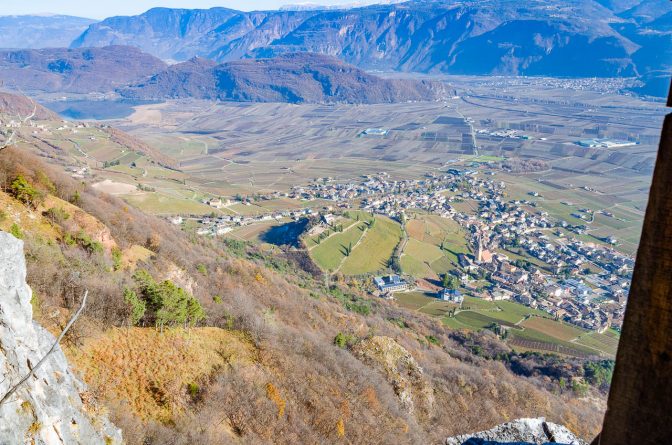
<point>375,248</point>
<point>422,256</point>
<point>160,204</point>
<point>331,252</point>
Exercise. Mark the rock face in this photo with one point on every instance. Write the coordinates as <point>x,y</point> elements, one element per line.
<point>522,432</point>
<point>401,370</point>
<point>51,407</point>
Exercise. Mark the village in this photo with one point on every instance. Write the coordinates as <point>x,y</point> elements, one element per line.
<point>519,253</point>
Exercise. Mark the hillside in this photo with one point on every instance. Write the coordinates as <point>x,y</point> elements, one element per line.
<point>21,107</point>
<point>76,70</point>
<point>294,78</point>
<point>219,341</point>
<point>578,38</point>
<point>40,31</point>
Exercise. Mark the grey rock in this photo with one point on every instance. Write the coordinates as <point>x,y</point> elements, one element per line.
<point>49,408</point>
<point>520,432</point>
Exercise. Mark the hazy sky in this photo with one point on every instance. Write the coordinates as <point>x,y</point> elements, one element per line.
<point>99,9</point>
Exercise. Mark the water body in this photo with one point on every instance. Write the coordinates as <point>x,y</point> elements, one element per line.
<point>95,109</point>
<point>287,234</point>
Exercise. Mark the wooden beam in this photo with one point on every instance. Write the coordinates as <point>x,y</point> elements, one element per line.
<point>639,409</point>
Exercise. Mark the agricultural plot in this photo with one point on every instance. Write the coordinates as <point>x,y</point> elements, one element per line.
<point>375,249</point>
<point>160,204</point>
<point>252,232</point>
<point>601,342</point>
<point>332,252</point>
<point>433,245</point>
<point>552,328</point>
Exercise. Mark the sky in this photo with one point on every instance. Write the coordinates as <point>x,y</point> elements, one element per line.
<point>99,9</point>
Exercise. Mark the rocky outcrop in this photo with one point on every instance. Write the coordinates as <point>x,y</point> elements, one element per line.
<point>53,406</point>
<point>401,370</point>
<point>522,432</point>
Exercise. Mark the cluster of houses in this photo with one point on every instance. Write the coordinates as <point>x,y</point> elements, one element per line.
<point>221,225</point>
<point>522,253</point>
<point>585,284</point>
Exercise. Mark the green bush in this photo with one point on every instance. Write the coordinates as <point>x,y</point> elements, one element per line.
<point>193,389</point>
<point>344,340</point>
<point>137,306</point>
<point>433,340</point>
<point>116,259</point>
<point>16,231</point>
<point>169,304</point>
<point>23,191</point>
<point>85,241</point>
<point>57,214</point>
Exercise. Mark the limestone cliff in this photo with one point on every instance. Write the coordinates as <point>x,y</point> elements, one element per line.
<point>51,408</point>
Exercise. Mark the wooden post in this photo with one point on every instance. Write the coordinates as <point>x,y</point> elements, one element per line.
<point>640,401</point>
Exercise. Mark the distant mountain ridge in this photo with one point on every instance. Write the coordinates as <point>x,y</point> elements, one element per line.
<point>82,70</point>
<point>40,31</point>
<point>573,38</point>
<point>293,78</point>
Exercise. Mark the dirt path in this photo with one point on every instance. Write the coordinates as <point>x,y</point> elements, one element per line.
<point>366,230</point>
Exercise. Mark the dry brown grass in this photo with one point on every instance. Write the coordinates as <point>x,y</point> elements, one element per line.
<point>151,370</point>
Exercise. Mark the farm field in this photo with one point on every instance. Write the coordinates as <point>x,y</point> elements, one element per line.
<point>253,232</point>
<point>160,204</point>
<point>530,329</point>
<point>423,255</point>
<point>375,249</point>
<point>330,253</point>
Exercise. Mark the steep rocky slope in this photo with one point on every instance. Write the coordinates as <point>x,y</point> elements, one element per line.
<point>294,78</point>
<point>53,406</point>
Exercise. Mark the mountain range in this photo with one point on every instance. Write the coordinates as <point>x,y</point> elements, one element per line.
<point>41,31</point>
<point>80,70</point>
<point>293,78</point>
<point>574,38</point>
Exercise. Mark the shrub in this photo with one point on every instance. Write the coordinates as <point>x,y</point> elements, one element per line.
<point>169,304</point>
<point>274,395</point>
<point>193,389</point>
<point>433,340</point>
<point>88,244</point>
<point>15,230</point>
<point>116,259</point>
<point>23,191</point>
<point>344,340</point>
<point>137,306</point>
<point>57,214</point>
